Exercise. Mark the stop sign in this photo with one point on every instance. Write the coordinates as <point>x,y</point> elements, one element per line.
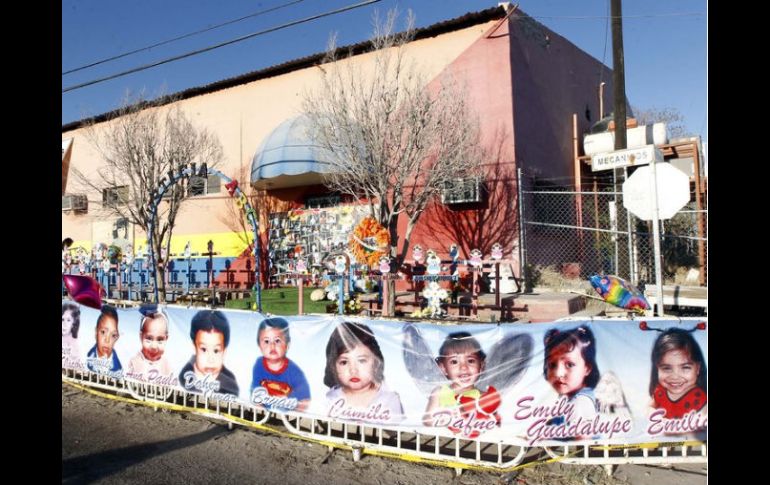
<point>673,191</point>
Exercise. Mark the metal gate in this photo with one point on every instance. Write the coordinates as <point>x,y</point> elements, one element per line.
<point>394,442</point>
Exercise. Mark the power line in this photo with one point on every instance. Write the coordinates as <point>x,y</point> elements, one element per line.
<point>206,49</point>
<point>119,56</point>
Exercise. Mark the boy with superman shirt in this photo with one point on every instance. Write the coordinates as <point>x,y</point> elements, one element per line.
<point>277,382</point>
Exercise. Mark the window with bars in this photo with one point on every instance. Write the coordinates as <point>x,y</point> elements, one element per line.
<point>204,185</point>
<point>462,191</point>
<point>319,202</point>
<point>114,196</point>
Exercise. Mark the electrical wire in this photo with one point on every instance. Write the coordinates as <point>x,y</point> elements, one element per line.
<point>604,51</point>
<point>216,46</point>
<point>184,36</point>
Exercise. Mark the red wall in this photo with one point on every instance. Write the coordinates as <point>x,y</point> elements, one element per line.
<point>485,67</point>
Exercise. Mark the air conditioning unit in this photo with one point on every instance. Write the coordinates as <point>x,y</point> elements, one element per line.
<point>74,202</point>
<point>638,137</point>
<point>462,191</point>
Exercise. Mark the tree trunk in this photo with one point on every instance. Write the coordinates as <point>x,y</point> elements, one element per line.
<point>391,309</point>
<point>409,228</point>
<point>161,269</point>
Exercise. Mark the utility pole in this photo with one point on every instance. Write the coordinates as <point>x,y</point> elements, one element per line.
<point>619,108</point>
<point>619,95</point>
<point>618,75</point>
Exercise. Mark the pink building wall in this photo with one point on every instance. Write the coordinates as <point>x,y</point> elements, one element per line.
<point>485,67</point>
<point>526,82</point>
<point>523,80</point>
<point>552,79</point>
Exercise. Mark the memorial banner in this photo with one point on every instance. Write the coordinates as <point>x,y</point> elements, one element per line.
<point>614,381</point>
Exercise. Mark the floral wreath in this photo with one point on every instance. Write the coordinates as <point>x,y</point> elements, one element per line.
<point>369,241</point>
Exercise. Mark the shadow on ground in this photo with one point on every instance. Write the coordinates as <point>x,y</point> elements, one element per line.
<point>89,468</point>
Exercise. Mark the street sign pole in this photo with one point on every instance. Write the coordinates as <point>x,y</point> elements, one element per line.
<point>654,199</point>
<point>656,239</point>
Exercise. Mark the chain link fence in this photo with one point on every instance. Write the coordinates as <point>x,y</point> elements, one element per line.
<point>577,234</point>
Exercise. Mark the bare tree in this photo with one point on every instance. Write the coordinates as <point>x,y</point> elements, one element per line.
<point>139,146</point>
<point>392,138</point>
<point>671,116</point>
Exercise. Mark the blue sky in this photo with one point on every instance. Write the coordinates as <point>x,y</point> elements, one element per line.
<point>665,43</point>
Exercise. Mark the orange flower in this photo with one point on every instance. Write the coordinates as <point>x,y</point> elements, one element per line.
<point>369,241</point>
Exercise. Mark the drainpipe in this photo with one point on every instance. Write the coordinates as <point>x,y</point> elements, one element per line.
<point>601,100</point>
<point>578,189</point>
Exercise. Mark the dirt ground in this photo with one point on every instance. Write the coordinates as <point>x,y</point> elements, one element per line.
<point>112,442</point>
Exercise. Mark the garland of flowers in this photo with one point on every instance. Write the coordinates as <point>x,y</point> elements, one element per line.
<point>364,251</point>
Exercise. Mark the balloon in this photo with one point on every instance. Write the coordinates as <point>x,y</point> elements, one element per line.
<point>619,292</point>
<point>84,290</point>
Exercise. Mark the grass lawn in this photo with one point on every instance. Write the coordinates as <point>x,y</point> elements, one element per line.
<point>282,301</point>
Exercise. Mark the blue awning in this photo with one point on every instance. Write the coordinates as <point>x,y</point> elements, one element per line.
<point>288,157</point>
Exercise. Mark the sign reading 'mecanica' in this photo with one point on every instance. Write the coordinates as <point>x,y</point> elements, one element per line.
<point>625,158</point>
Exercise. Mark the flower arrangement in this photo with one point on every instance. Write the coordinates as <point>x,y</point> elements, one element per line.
<point>421,313</point>
<point>435,295</point>
<point>352,306</point>
<point>369,241</point>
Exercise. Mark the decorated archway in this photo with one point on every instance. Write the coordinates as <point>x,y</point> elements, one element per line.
<point>190,170</point>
